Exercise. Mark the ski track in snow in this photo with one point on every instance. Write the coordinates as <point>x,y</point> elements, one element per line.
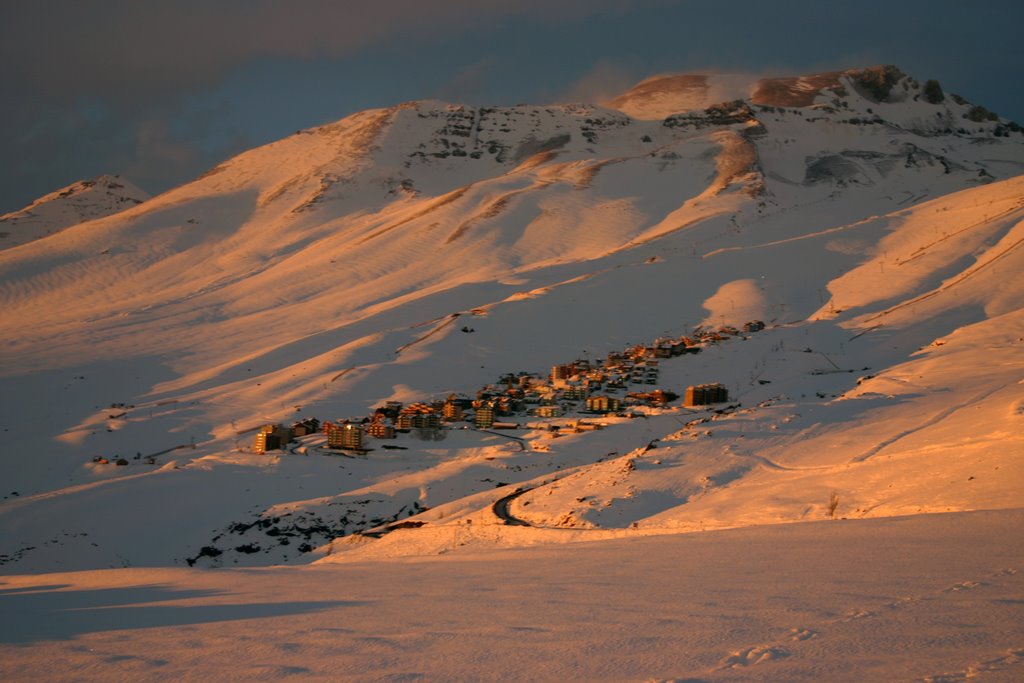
<point>934,420</point>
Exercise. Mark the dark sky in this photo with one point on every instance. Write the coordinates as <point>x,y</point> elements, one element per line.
<point>160,91</point>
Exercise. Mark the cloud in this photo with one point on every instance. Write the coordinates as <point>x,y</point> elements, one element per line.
<point>133,51</point>
<point>86,80</point>
<point>603,82</point>
<point>468,83</point>
<point>169,145</point>
<point>153,142</point>
<point>161,147</point>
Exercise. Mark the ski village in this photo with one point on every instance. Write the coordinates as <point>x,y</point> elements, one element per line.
<point>719,379</point>
<point>581,389</point>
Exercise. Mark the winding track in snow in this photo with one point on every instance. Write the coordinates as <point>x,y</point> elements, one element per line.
<point>500,508</point>
<point>933,420</point>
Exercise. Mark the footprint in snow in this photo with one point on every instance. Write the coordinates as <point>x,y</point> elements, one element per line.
<point>858,614</point>
<point>802,634</point>
<point>964,585</point>
<point>899,602</point>
<point>1010,658</point>
<point>753,655</point>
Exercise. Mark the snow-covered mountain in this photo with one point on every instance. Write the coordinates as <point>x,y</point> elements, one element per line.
<point>658,97</point>
<point>85,200</point>
<point>871,221</point>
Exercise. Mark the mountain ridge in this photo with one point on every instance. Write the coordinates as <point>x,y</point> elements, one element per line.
<point>410,252</point>
<point>80,201</point>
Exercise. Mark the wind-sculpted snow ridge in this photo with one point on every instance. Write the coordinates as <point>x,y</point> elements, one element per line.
<point>409,253</point>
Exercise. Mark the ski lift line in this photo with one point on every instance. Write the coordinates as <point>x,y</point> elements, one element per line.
<point>922,250</point>
<point>829,360</point>
<point>863,332</point>
<point>343,373</point>
<point>798,238</point>
<point>155,404</point>
<point>172,448</point>
<point>434,320</point>
<point>952,283</point>
<point>451,319</point>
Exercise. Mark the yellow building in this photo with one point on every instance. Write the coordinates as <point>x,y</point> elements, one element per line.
<point>345,436</point>
<point>272,437</point>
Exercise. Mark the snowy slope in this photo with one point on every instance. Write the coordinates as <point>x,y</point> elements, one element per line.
<point>82,201</point>
<point>926,598</point>
<point>876,233</point>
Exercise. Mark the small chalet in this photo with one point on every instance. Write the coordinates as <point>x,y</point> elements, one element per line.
<point>310,425</point>
<point>381,428</point>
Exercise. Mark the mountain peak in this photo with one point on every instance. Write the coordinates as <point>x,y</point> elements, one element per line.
<point>405,254</point>
<point>660,96</point>
<point>80,201</point>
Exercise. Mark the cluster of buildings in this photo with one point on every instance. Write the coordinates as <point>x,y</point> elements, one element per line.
<point>605,386</point>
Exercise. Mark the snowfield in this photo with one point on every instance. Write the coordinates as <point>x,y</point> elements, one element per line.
<point>852,512</point>
<point>921,598</point>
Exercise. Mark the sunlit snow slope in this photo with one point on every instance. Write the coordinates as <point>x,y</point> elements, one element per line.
<point>876,232</point>
<point>82,201</point>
